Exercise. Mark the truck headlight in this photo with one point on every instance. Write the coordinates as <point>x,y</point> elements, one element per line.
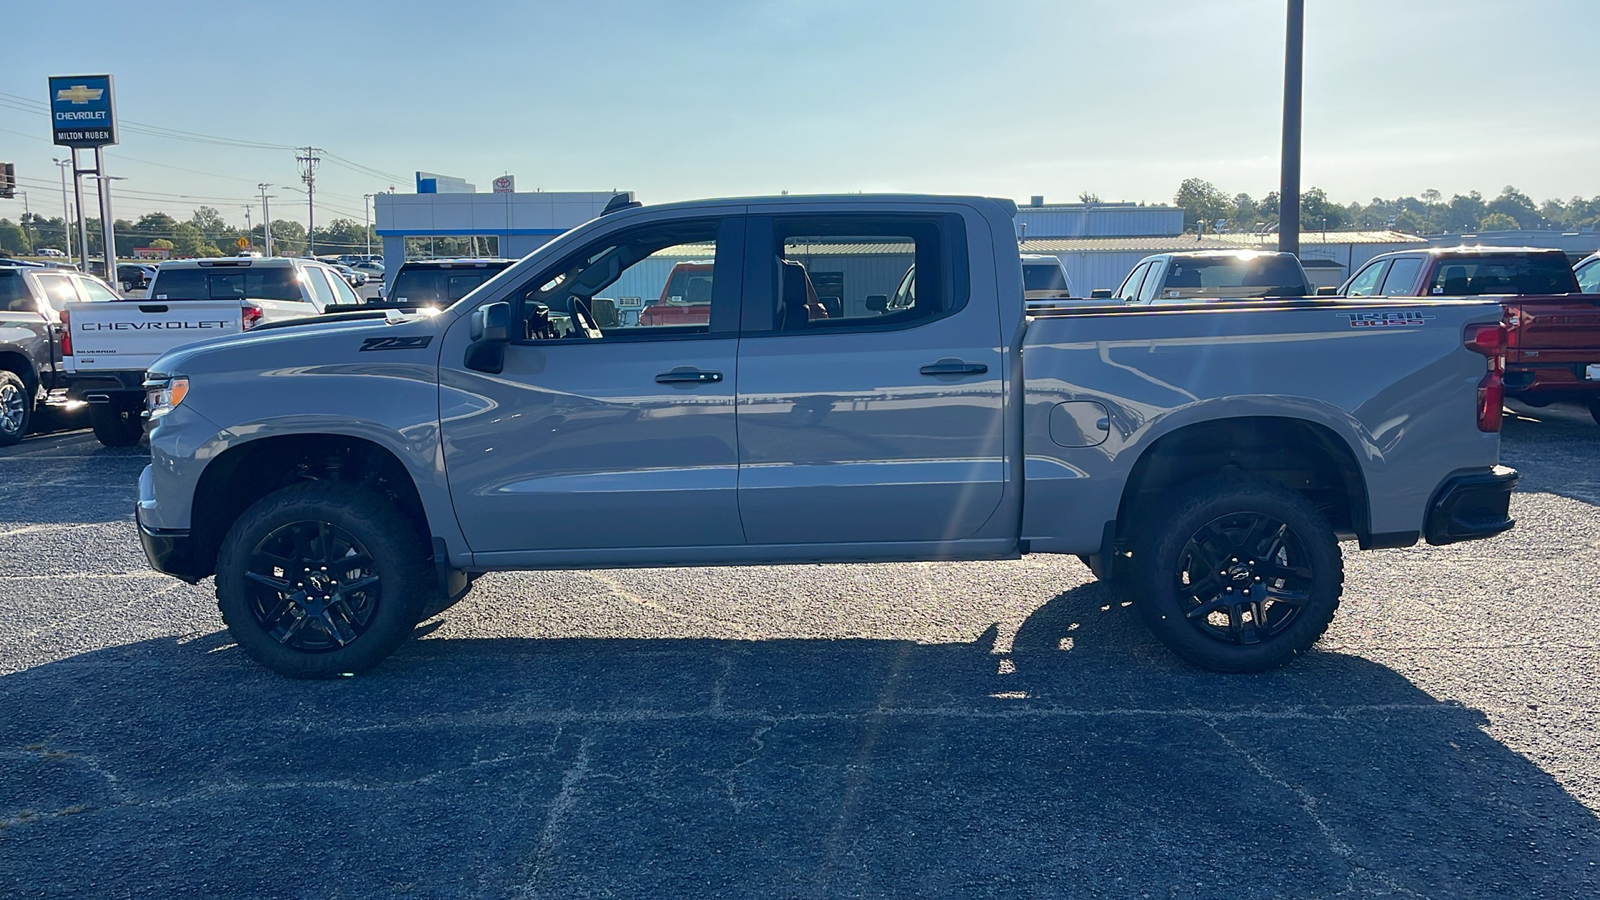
<point>162,395</point>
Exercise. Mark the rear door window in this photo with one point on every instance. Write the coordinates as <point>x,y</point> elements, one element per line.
<point>58,291</point>
<point>1589,277</point>
<point>1152,282</point>
<point>322,294</point>
<point>1402,276</point>
<point>95,292</point>
<point>1130,285</point>
<point>1366,282</point>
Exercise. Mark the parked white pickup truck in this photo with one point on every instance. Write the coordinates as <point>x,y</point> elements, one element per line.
<point>110,345</point>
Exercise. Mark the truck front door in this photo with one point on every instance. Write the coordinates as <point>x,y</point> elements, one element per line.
<point>883,423</point>
<point>598,434</point>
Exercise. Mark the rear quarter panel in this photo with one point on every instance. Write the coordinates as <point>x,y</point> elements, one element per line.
<point>1401,397</point>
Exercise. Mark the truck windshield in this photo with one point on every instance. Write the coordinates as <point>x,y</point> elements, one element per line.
<point>1503,274</point>
<point>1260,275</point>
<point>278,283</point>
<point>437,287</point>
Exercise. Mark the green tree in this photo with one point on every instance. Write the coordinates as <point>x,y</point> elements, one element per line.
<point>288,238</point>
<point>1201,203</point>
<point>1517,206</point>
<point>13,240</point>
<point>161,244</point>
<point>1497,221</point>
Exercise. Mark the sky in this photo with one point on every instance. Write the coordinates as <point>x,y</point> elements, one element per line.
<point>677,100</point>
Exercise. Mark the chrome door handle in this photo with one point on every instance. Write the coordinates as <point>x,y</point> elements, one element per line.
<point>688,376</point>
<point>954,367</point>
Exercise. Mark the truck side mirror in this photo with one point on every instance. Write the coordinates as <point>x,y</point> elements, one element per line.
<point>490,330</point>
<point>877,302</point>
<point>1100,294</point>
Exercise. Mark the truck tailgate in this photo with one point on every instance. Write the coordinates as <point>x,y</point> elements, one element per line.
<point>1563,328</point>
<point>129,335</point>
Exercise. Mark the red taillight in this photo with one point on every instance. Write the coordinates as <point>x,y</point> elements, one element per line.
<point>66,334</point>
<point>250,316</point>
<point>1490,341</point>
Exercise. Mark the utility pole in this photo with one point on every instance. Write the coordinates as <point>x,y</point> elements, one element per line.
<point>266,217</point>
<point>367,221</point>
<point>307,158</point>
<point>66,211</point>
<point>249,231</point>
<point>1289,182</point>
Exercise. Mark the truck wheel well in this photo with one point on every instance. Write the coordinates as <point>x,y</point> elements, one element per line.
<point>244,474</point>
<point>12,361</point>
<point>1297,454</point>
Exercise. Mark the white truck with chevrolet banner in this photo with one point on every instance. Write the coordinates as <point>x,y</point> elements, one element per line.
<point>108,346</point>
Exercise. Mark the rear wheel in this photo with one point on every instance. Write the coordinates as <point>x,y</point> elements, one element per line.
<point>323,579</point>
<point>1240,577</point>
<point>116,425</point>
<point>16,408</point>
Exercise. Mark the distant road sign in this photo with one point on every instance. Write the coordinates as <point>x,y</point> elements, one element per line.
<point>243,243</point>
<point>82,113</point>
<point>505,184</point>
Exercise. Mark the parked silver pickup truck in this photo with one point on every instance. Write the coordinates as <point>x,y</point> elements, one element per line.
<point>344,477</point>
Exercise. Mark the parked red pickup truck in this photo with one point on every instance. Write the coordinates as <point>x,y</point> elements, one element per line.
<point>1553,328</point>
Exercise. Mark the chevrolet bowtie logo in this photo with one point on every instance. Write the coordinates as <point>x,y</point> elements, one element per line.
<point>80,93</point>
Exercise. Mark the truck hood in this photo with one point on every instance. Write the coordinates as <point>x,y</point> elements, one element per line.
<point>334,339</point>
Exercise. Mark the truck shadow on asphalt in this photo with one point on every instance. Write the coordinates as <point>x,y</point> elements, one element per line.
<point>1082,760</point>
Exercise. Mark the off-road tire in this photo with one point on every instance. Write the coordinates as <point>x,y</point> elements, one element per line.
<point>1212,519</point>
<point>115,425</point>
<point>399,557</point>
<point>16,408</point>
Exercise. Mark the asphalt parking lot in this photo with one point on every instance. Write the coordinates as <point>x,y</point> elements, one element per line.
<point>1000,729</point>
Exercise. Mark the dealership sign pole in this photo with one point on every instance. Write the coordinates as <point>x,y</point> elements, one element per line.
<point>83,115</point>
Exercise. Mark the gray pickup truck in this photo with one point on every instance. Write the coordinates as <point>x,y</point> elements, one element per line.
<point>344,477</point>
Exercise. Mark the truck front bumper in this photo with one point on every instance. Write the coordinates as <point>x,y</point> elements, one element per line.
<point>169,550</point>
<point>1471,505</point>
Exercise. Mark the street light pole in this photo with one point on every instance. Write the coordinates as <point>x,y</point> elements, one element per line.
<point>106,236</point>
<point>367,222</point>
<point>66,211</point>
<point>266,217</point>
<point>1289,182</point>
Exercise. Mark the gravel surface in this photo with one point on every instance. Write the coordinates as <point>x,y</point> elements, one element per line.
<point>994,729</point>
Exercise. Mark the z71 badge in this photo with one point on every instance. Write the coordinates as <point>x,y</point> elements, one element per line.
<point>1406,319</point>
<point>396,343</point>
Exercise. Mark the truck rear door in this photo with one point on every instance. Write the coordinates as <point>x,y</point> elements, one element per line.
<point>129,335</point>
<point>878,424</point>
<point>1555,332</point>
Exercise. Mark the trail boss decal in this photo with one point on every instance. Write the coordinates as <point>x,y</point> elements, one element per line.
<point>396,343</point>
<point>1407,319</point>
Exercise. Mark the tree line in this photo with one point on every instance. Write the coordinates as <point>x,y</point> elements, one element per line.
<point>204,234</point>
<point>1205,205</point>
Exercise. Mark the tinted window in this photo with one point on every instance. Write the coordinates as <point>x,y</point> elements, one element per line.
<point>14,293</point>
<point>1589,277</point>
<point>417,286</point>
<point>652,282</point>
<point>1038,276</point>
<point>1402,276</point>
<point>1503,274</point>
<point>230,283</point>
<point>1366,282</point>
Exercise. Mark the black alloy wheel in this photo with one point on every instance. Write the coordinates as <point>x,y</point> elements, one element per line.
<point>1244,578</point>
<point>1238,576</point>
<point>313,587</point>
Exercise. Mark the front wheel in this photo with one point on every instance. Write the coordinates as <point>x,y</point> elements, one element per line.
<point>1240,577</point>
<point>322,579</point>
<point>115,425</point>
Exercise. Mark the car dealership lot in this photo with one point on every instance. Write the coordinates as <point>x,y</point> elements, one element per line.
<point>920,729</point>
